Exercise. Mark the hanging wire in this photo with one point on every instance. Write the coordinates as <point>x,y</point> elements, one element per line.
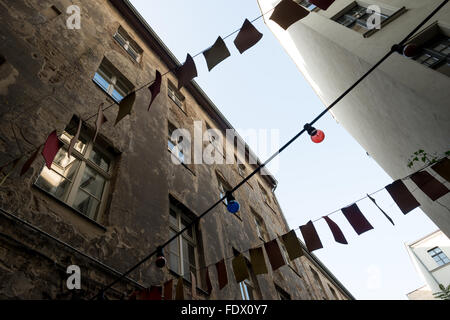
<point>261,166</point>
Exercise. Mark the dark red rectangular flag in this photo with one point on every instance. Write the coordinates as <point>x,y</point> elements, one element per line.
<point>287,12</point>
<point>429,185</point>
<point>186,72</point>
<point>356,219</point>
<point>274,254</point>
<point>216,54</point>
<point>311,237</point>
<point>336,231</point>
<point>168,289</point>
<point>51,148</point>
<point>222,274</point>
<point>247,37</point>
<point>322,4</point>
<point>155,87</point>
<point>402,197</point>
<point>443,168</point>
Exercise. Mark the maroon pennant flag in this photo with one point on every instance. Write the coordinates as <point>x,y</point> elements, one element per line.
<point>51,148</point>
<point>222,274</point>
<point>240,268</point>
<point>292,245</point>
<point>443,168</point>
<point>247,37</point>
<point>402,197</point>
<point>30,161</point>
<point>155,87</point>
<point>322,4</point>
<point>208,281</point>
<point>125,106</point>
<point>337,232</point>
<point>155,293</point>
<point>186,72</point>
<point>382,211</point>
<point>287,12</point>
<point>429,185</point>
<point>179,290</point>
<point>274,253</point>
<point>356,219</point>
<point>216,54</point>
<point>168,288</point>
<point>311,237</point>
<point>257,261</point>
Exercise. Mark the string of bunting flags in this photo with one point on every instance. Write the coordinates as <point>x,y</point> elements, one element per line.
<point>397,190</point>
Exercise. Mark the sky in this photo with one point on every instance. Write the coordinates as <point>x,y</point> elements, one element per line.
<point>263,90</point>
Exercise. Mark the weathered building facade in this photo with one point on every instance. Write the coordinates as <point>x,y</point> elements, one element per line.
<point>116,199</point>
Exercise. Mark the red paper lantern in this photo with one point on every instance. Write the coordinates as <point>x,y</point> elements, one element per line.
<point>318,137</point>
<point>410,50</point>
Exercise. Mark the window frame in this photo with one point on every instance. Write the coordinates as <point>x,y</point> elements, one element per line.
<point>116,82</point>
<point>84,162</point>
<point>247,290</point>
<point>128,44</point>
<point>434,254</point>
<point>176,96</point>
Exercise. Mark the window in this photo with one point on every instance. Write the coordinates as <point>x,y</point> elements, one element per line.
<point>261,230</point>
<point>246,290</point>
<point>438,256</point>
<point>128,44</point>
<point>175,95</point>
<point>80,181</point>
<point>172,143</point>
<point>307,5</point>
<point>112,81</point>
<point>356,18</point>
<point>183,252</point>
<point>435,54</point>
<point>283,295</point>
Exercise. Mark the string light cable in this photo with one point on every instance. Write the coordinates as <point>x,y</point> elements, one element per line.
<point>394,48</point>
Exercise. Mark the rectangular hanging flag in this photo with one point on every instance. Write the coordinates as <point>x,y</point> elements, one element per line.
<point>125,106</point>
<point>51,148</point>
<point>216,54</point>
<point>240,268</point>
<point>155,293</point>
<point>247,37</point>
<point>222,274</point>
<point>382,211</point>
<point>312,240</point>
<point>292,245</point>
<point>322,4</point>
<point>443,168</point>
<point>356,219</point>
<point>168,288</point>
<point>274,254</point>
<point>402,197</point>
<point>186,72</point>
<point>429,185</point>
<point>179,293</point>
<point>287,12</point>
<point>257,261</point>
<point>336,231</point>
<point>155,88</point>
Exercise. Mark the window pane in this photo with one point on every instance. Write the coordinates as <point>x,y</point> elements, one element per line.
<point>65,166</point>
<point>117,96</point>
<point>86,204</point>
<point>92,182</point>
<point>53,183</point>
<point>120,39</point>
<point>99,159</point>
<point>101,81</point>
<point>80,146</point>
<point>173,218</point>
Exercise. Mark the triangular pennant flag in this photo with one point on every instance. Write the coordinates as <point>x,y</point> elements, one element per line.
<point>30,161</point>
<point>247,37</point>
<point>155,88</point>
<point>125,106</point>
<point>51,148</point>
<point>222,274</point>
<point>240,268</point>
<point>292,245</point>
<point>257,261</point>
<point>168,287</point>
<point>208,282</point>
<point>322,4</point>
<point>429,185</point>
<point>186,72</point>
<point>216,54</point>
<point>193,286</point>
<point>336,231</point>
<point>402,197</point>
<point>14,165</point>
<point>312,240</point>
<point>356,219</point>
<point>75,138</point>
<point>443,168</point>
<point>179,293</point>
<point>155,293</point>
<point>274,254</point>
<point>385,214</point>
<point>101,119</point>
<point>287,12</point>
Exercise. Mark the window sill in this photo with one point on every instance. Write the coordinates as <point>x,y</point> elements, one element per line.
<point>199,290</point>
<point>394,16</point>
<point>78,213</point>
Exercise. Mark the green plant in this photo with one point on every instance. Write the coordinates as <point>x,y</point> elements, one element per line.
<point>444,294</point>
<point>426,158</point>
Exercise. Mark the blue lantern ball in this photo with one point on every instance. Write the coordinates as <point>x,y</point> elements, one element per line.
<point>233,206</point>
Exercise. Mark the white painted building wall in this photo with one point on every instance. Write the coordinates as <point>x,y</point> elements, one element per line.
<point>400,108</point>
